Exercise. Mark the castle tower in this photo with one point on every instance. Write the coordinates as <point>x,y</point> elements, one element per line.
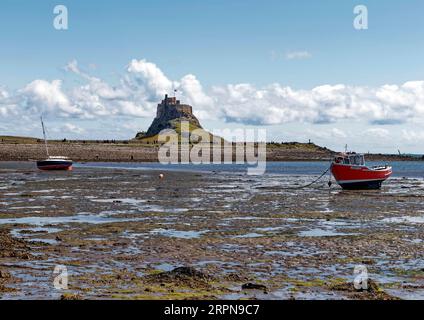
<point>168,111</point>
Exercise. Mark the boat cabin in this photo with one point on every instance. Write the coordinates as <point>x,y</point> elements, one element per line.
<point>352,158</point>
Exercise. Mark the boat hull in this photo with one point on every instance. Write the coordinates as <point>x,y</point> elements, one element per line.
<point>353,177</point>
<point>54,165</point>
<point>361,185</point>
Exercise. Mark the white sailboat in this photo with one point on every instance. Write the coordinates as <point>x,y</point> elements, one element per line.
<point>53,162</point>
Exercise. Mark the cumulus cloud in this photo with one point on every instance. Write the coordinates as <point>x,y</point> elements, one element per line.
<point>325,134</point>
<point>41,96</point>
<point>337,133</point>
<point>7,106</point>
<point>377,132</point>
<point>413,136</point>
<point>143,84</point>
<point>72,128</point>
<point>100,99</point>
<point>277,104</point>
<point>149,76</point>
<point>3,94</point>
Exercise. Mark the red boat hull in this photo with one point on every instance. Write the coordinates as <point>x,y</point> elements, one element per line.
<point>360,177</point>
<point>54,165</point>
<point>51,168</point>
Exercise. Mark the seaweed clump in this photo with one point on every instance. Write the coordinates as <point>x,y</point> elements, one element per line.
<point>182,277</point>
<point>11,247</point>
<point>372,291</point>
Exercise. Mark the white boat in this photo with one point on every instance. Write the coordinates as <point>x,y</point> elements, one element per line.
<point>53,162</point>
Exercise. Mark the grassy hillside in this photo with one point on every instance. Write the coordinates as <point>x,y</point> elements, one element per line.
<point>176,126</point>
<point>11,139</point>
<point>305,147</point>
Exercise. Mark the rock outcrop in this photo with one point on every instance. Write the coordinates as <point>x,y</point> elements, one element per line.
<point>169,112</point>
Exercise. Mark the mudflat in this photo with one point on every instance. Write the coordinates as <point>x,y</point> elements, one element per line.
<point>127,234</point>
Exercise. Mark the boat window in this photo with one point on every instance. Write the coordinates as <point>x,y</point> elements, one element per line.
<point>357,160</point>
<point>339,160</point>
<point>346,161</point>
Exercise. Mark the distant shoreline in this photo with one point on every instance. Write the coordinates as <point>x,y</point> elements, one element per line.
<point>136,152</point>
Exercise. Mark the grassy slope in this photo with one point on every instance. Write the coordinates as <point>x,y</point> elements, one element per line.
<point>150,141</point>
<point>176,126</point>
<point>305,147</point>
<point>11,139</point>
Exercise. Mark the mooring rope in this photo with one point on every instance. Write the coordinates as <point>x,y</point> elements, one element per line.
<point>310,184</point>
<point>313,182</point>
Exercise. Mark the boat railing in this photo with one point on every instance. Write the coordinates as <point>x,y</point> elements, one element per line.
<point>58,158</point>
<point>381,167</point>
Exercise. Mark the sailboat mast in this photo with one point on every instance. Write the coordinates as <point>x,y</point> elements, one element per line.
<point>45,139</point>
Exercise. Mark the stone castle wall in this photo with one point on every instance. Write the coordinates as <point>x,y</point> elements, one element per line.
<point>167,111</point>
<point>173,109</point>
<point>184,108</point>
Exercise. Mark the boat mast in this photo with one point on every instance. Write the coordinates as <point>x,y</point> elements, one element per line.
<point>45,139</point>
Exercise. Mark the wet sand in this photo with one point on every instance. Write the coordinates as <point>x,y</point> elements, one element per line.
<point>121,233</point>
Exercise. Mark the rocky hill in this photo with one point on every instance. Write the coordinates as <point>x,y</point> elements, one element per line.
<point>169,113</point>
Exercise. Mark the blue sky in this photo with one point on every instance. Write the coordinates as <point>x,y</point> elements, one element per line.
<point>223,42</point>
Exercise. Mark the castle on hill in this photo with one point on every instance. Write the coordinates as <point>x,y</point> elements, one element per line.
<point>172,105</point>
<point>168,112</point>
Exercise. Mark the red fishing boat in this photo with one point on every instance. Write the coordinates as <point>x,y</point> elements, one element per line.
<point>350,172</point>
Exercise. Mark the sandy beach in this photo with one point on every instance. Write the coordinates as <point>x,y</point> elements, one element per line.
<point>126,234</point>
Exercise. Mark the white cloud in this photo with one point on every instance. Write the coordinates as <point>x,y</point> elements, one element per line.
<point>326,134</point>
<point>337,133</point>
<point>413,136</point>
<point>193,91</point>
<point>72,128</point>
<point>377,133</point>
<point>143,84</point>
<point>72,66</point>
<point>150,76</point>
<point>277,104</point>
<point>3,94</point>
<point>41,96</point>
<point>98,98</point>
<point>292,55</point>
<point>7,106</point>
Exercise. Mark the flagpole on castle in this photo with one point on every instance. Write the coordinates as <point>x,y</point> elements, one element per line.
<point>174,90</point>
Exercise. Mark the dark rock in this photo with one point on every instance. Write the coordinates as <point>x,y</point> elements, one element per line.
<point>187,276</point>
<point>254,286</point>
<point>188,272</point>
